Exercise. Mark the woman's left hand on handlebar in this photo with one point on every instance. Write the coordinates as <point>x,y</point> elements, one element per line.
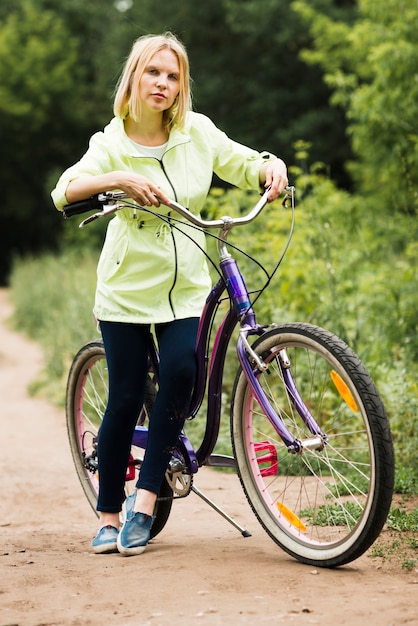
<point>274,175</point>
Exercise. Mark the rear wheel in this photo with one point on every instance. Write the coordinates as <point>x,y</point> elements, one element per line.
<point>87,391</point>
<point>324,507</point>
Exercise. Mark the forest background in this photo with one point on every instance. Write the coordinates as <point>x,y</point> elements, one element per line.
<point>329,85</point>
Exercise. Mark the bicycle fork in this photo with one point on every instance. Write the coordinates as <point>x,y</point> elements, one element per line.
<point>252,365</point>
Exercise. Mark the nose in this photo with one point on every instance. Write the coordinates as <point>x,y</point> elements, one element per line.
<point>162,80</point>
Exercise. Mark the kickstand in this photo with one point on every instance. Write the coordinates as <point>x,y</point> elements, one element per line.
<point>229,519</point>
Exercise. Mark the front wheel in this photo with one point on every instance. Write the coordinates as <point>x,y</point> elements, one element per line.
<point>323,507</point>
<point>87,391</point>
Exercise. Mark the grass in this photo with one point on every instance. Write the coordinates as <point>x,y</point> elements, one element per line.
<point>398,543</point>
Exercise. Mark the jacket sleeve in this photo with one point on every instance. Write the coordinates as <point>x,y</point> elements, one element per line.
<point>95,161</point>
<point>233,162</point>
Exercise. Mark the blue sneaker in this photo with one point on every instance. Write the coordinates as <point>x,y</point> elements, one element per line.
<point>105,540</point>
<point>135,532</point>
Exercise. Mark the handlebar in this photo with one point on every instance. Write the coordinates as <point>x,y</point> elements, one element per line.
<point>83,206</point>
<point>112,201</point>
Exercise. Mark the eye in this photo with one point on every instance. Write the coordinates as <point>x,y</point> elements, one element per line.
<point>173,77</point>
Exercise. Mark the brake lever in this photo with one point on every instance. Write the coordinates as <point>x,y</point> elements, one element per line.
<point>107,210</point>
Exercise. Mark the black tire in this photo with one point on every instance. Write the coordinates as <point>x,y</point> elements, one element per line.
<point>325,508</point>
<point>86,399</point>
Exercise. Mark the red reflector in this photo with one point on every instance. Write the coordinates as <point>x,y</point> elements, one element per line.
<point>130,472</point>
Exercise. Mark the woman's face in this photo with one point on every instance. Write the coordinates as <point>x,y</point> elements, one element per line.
<point>160,83</point>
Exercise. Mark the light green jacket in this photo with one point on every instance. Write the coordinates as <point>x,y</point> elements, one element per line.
<point>148,271</point>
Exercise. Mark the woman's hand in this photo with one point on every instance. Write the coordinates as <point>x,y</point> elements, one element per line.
<point>274,174</point>
<point>141,189</point>
<point>137,187</point>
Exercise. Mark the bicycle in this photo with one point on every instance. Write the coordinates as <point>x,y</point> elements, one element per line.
<point>310,437</point>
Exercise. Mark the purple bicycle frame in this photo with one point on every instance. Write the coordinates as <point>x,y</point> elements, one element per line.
<point>195,459</point>
<point>240,310</point>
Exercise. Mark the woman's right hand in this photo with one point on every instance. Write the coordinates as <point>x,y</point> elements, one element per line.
<point>137,187</point>
<point>141,189</point>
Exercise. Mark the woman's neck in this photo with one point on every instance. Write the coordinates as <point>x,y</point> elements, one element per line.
<point>151,132</point>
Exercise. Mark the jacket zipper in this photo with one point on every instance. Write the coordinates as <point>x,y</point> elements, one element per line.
<point>170,299</point>
<point>170,293</point>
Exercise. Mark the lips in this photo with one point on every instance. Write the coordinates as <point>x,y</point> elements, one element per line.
<point>160,96</point>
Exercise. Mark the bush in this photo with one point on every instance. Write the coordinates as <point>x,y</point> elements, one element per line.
<point>340,272</point>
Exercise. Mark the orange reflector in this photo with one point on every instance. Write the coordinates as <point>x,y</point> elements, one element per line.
<point>291,517</point>
<point>343,390</point>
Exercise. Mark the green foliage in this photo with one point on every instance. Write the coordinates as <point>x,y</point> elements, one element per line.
<point>53,299</point>
<point>344,273</point>
<point>336,514</point>
<point>37,74</point>
<point>371,66</point>
<point>398,519</point>
<point>35,68</point>
<point>59,62</point>
<point>403,547</point>
<point>401,391</point>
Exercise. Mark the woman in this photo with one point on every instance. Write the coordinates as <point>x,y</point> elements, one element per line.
<point>153,149</point>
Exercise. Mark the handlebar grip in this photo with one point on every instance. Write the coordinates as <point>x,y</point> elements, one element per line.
<point>76,208</point>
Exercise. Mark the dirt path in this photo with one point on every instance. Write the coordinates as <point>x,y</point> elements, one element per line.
<point>198,570</point>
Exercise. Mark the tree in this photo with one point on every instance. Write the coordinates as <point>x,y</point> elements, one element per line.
<point>248,76</point>
<point>372,69</point>
<point>46,113</point>
<point>36,76</point>
<point>59,62</point>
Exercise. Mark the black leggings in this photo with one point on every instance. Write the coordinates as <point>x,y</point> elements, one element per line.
<point>126,347</point>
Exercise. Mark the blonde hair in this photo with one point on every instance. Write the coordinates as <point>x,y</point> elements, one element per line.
<point>126,98</point>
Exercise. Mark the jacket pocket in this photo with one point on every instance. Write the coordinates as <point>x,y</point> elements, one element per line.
<point>111,258</point>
